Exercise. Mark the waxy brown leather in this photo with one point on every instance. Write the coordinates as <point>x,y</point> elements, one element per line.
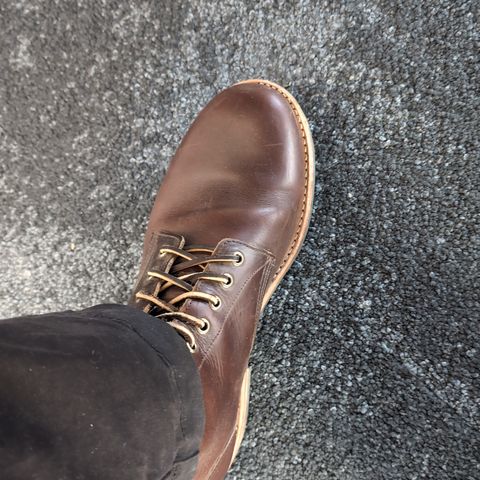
<point>239,173</point>
<point>237,182</point>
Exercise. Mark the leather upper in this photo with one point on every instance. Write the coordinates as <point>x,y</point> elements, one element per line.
<point>233,174</point>
<point>237,183</point>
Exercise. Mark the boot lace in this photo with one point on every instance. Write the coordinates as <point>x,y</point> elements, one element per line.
<point>188,268</point>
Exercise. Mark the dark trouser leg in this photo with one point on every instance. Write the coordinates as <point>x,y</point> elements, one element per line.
<point>106,393</point>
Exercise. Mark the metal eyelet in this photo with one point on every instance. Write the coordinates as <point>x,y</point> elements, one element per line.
<point>206,327</point>
<point>241,258</point>
<point>217,304</point>
<point>192,348</point>
<point>230,281</point>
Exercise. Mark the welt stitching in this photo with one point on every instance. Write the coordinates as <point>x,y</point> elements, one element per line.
<point>305,191</point>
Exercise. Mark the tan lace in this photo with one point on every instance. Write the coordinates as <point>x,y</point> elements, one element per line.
<point>199,257</point>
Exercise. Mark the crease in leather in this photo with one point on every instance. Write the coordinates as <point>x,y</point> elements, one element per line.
<point>218,460</point>
<point>268,259</point>
<point>223,242</point>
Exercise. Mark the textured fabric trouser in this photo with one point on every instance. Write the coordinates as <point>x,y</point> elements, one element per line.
<point>106,393</point>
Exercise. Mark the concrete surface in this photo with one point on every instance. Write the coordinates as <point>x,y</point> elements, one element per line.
<point>367,362</point>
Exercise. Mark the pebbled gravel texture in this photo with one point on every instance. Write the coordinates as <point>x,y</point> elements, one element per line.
<point>367,361</point>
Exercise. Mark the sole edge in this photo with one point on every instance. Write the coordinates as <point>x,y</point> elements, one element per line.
<point>288,261</point>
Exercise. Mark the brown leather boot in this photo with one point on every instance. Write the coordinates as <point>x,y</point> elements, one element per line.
<point>228,221</point>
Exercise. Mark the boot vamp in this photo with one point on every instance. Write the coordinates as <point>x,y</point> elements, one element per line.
<point>239,173</point>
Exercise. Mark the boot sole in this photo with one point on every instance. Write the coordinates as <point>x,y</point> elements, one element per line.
<point>242,414</point>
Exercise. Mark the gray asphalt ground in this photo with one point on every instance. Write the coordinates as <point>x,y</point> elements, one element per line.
<point>367,362</point>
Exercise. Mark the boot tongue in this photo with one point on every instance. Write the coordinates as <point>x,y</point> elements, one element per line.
<point>155,261</point>
<point>171,292</point>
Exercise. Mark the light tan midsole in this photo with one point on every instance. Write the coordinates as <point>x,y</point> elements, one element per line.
<point>245,391</point>
<point>242,415</point>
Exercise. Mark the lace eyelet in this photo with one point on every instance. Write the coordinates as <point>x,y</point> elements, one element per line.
<point>241,258</point>
<point>217,304</point>
<point>192,348</point>
<point>206,327</point>
<point>229,282</point>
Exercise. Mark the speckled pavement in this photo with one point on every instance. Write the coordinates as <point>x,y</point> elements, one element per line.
<point>367,361</point>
